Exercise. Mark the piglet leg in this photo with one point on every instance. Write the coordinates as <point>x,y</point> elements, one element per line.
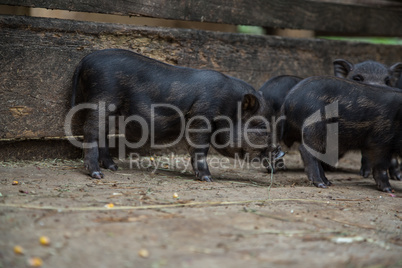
<point>105,158</point>
<point>395,171</point>
<point>91,146</point>
<point>91,160</point>
<point>313,169</point>
<point>381,178</point>
<point>365,169</point>
<point>381,163</point>
<point>200,165</point>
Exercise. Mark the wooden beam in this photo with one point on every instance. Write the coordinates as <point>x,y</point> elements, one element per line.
<point>38,57</point>
<point>294,14</point>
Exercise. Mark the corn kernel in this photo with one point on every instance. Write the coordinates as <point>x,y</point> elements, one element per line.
<point>15,183</point>
<point>18,250</point>
<point>44,240</point>
<point>35,262</point>
<point>175,195</point>
<point>110,205</point>
<point>143,253</point>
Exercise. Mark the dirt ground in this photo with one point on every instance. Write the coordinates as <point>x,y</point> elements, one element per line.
<point>246,218</point>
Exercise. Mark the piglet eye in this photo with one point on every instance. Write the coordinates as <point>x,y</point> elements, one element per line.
<point>358,78</point>
<point>387,81</point>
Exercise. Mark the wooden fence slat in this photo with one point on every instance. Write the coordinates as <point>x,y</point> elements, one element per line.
<point>295,14</point>
<point>38,57</point>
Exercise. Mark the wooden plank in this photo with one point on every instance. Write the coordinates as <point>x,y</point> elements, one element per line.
<point>38,57</point>
<point>373,3</point>
<point>38,150</point>
<point>294,14</point>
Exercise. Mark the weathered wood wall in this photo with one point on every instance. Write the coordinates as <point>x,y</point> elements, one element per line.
<point>38,56</point>
<point>296,14</point>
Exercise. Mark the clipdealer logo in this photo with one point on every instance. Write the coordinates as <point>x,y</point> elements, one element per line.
<point>331,149</point>
<point>331,154</point>
<point>239,132</point>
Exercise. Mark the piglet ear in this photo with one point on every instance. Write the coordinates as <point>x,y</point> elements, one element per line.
<point>250,103</point>
<point>396,70</point>
<point>342,68</point>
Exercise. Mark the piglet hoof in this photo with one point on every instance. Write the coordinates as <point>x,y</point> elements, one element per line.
<point>364,172</point>
<point>97,175</point>
<point>113,167</point>
<point>385,187</point>
<point>388,190</point>
<point>320,185</point>
<point>395,174</point>
<point>206,178</point>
